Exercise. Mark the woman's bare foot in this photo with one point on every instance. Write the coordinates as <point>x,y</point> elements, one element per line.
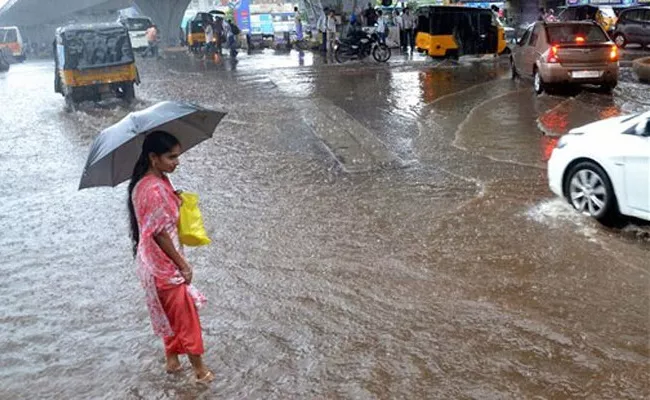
<point>206,378</point>
<point>173,364</point>
<point>202,373</point>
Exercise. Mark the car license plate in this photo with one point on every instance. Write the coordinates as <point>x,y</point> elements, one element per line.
<point>586,74</point>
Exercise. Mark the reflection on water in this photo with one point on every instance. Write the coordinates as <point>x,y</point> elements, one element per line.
<point>425,282</point>
<point>548,143</point>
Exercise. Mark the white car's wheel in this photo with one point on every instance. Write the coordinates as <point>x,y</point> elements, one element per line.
<point>590,191</point>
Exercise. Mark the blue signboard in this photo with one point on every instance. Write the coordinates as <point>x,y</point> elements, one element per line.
<point>242,14</point>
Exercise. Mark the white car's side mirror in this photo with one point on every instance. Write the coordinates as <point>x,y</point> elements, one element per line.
<point>643,128</point>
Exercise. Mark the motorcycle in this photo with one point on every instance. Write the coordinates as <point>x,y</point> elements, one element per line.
<point>359,46</point>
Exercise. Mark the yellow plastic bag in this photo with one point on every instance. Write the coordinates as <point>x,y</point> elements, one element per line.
<point>190,223</point>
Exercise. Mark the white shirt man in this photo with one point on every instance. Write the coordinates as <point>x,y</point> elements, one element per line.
<point>331,32</point>
<point>399,21</point>
<point>408,20</point>
<point>209,34</point>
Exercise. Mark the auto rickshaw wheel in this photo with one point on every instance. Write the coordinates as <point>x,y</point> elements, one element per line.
<point>70,103</point>
<point>126,92</point>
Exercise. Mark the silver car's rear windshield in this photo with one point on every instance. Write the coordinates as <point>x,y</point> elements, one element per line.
<point>576,33</point>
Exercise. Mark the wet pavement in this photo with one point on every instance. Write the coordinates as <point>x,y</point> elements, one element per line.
<point>379,231</point>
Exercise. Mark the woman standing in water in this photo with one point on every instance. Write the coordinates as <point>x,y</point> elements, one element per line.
<point>163,271</point>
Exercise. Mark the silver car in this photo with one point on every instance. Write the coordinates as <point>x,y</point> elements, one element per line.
<point>554,53</point>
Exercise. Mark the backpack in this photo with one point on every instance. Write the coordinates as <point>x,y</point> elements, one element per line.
<point>235,29</point>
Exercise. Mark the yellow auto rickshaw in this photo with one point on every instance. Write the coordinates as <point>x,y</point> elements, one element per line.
<point>453,31</point>
<point>94,61</point>
<point>195,30</point>
<point>604,16</point>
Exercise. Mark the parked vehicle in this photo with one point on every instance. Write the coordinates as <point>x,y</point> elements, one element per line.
<point>452,31</point>
<point>602,168</point>
<point>137,31</point>
<point>11,39</point>
<point>566,53</point>
<point>93,61</point>
<point>359,45</point>
<point>603,15</point>
<point>633,26</point>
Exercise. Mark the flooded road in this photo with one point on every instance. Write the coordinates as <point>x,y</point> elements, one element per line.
<point>378,232</point>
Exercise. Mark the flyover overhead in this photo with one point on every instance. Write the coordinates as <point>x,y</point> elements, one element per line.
<point>40,17</point>
<point>36,12</point>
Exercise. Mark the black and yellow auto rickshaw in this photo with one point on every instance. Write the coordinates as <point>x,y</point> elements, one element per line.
<point>453,31</point>
<point>587,12</point>
<point>195,30</point>
<point>94,61</point>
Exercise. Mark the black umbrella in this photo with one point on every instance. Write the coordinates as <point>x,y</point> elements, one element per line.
<point>115,151</point>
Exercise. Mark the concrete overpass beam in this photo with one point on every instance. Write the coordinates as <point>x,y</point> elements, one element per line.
<point>167,14</point>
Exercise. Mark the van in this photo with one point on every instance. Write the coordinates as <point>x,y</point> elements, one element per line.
<point>633,26</point>
<point>137,27</point>
<point>11,39</point>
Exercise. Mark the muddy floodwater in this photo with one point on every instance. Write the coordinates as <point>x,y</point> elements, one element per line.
<point>379,232</point>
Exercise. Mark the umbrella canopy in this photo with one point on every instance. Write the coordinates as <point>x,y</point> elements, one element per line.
<point>115,151</point>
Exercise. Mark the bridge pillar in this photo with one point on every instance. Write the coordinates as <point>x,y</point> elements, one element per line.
<point>167,15</point>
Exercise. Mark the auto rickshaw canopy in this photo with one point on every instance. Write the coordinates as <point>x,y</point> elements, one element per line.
<point>86,46</point>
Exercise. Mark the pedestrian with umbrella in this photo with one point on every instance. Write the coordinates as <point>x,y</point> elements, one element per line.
<point>149,144</point>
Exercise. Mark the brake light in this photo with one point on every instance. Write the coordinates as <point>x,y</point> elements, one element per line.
<point>613,54</point>
<point>552,55</point>
<point>580,39</point>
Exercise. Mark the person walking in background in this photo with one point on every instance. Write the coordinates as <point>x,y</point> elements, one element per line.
<point>370,15</point>
<point>209,38</point>
<point>331,32</point>
<point>542,14</point>
<point>297,23</point>
<point>409,28</point>
<point>381,27</point>
<point>164,273</point>
<point>399,23</point>
<point>550,17</point>
<point>232,31</point>
<point>152,41</point>
<point>321,24</point>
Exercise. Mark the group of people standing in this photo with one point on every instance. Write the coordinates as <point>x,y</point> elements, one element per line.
<point>407,23</point>
<point>547,15</point>
<point>327,25</point>
<point>216,32</point>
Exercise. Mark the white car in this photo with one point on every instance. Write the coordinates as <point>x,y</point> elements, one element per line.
<point>137,27</point>
<point>603,168</point>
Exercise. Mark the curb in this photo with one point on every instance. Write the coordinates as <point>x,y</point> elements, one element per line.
<point>641,67</point>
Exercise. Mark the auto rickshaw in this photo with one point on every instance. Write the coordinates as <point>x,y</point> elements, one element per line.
<point>606,18</point>
<point>94,61</point>
<point>195,30</point>
<point>453,31</point>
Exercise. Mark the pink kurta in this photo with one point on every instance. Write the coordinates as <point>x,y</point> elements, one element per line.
<point>171,307</point>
